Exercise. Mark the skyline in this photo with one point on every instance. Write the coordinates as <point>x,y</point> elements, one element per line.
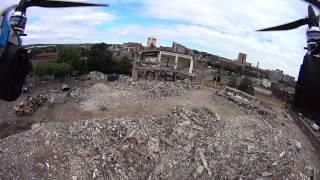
<point>210,26</point>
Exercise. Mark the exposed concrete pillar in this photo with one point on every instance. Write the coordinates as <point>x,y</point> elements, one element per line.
<point>134,68</point>
<point>191,66</point>
<point>159,57</point>
<point>176,62</point>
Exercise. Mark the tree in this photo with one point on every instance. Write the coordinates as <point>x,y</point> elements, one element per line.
<point>124,65</point>
<point>233,81</point>
<point>100,59</point>
<point>71,55</point>
<point>52,68</point>
<point>246,85</point>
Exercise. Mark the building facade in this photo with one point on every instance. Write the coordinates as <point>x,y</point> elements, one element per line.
<point>152,42</point>
<point>276,75</point>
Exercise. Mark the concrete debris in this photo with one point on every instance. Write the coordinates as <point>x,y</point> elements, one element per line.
<point>30,105</point>
<point>153,144</point>
<point>131,92</point>
<point>282,154</point>
<point>200,169</point>
<point>204,161</point>
<point>266,174</point>
<point>94,75</point>
<point>187,141</point>
<point>298,145</point>
<point>247,102</point>
<point>315,127</point>
<point>156,147</point>
<point>65,87</point>
<point>58,98</point>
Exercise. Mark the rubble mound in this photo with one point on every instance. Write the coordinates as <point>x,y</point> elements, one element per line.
<point>95,75</point>
<point>187,143</point>
<point>125,91</point>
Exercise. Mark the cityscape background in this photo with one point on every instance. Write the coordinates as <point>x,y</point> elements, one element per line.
<point>224,28</point>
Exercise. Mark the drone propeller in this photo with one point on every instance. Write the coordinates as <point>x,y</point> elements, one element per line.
<point>58,4</point>
<point>24,4</point>
<point>314,2</point>
<point>288,26</point>
<point>312,21</point>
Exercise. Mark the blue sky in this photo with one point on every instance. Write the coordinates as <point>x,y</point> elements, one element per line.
<point>219,27</point>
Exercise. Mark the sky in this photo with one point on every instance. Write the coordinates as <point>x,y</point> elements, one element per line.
<point>224,28</point>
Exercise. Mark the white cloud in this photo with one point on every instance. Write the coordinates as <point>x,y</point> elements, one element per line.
<point>230,25</point>
<point>207,25</point>
<point>268,54</point>
<point>63,25</point>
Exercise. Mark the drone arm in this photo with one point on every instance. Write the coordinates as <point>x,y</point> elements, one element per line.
<point>4,33</point>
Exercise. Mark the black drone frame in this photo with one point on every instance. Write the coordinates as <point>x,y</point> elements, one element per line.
<point>14,60</point>
<point>307,93</point>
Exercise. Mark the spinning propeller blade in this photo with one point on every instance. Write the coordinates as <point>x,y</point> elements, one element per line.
<point>314,2</point>
<point>288,26</point>
<point>312,21</point>
<point>59,4</point>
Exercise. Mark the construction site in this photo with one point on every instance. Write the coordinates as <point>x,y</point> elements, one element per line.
<point>161,123</point>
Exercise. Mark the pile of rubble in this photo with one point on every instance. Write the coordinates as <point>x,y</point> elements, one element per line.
<point>95,75</point>
<point>147,148</point>
<point>187,143</point>
<point>30,105</point>
<point>124,91</point>
<point>246,102</point>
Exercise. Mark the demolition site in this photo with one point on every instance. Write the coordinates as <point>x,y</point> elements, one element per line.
<point>179,114</point>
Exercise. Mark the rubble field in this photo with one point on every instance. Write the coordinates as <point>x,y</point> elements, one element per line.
<point>199,135</point>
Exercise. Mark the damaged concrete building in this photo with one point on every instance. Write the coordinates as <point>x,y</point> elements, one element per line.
<point>165,65</point>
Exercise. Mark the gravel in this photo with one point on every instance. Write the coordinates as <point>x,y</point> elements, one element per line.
<point>125,91</point>
<point>187,143</point>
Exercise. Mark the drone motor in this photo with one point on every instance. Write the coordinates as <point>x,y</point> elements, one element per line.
<point>18,22</point>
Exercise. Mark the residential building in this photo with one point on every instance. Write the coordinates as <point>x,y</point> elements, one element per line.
<point>276,75</point>
<point>242,59</point>
<point>289,80</point>
<point>152,42</point>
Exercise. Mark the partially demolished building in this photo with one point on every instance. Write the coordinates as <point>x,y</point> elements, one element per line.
<point>165,65</point>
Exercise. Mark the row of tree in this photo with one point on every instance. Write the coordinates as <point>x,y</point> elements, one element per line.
<point>75,59</point>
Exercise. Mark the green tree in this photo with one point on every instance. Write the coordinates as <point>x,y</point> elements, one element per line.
<point>72,56</point>
<point>100,59</point>
<point>233,81</point>
<point>124,65</point>
<point>246,85</point>
<point>52,68</point>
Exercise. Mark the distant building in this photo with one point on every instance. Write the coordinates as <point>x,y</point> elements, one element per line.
<point>162,48</point>
<point>42,53</point>
<point>242,59</point>
<point>178,48</point>
<point>152,42</point>
<point>115,47</point>
<point>132,47</point>
<point>282,92</point>
<point>289,80</point>
<point>276,75</point>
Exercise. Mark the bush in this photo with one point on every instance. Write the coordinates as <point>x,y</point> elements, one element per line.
<point>52,68</point>
<point>124,66</point>
<point>100,59</point>
<point>233,81</point>
<point>246,85</point>
<point>72,56</point>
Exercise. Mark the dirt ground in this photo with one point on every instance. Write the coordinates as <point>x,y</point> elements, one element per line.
<point>271,136</point>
